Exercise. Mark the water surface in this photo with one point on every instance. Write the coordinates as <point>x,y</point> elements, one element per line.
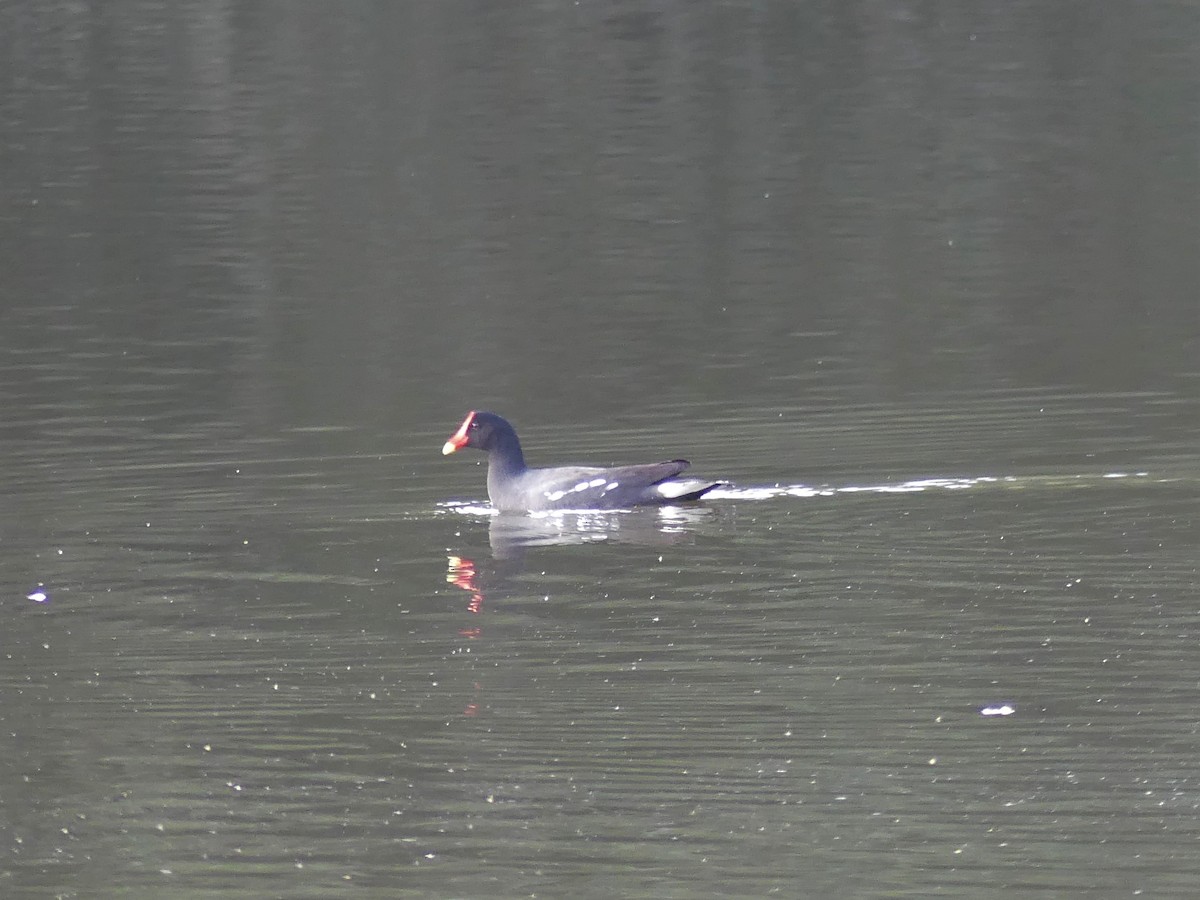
<point>918,284</point>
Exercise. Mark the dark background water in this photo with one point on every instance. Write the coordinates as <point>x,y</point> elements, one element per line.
<point>920,281</point>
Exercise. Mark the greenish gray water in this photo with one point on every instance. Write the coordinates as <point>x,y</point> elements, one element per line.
<point>919,285</point>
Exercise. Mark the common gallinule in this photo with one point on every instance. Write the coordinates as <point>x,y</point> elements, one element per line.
<point>513,487</point>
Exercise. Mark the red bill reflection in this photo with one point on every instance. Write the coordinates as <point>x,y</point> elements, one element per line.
<point>462,574</point>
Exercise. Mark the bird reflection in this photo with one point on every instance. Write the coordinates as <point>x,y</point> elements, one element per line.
<point>512,536</point>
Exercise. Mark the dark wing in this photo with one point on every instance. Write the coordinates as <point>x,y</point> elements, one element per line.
<point>589,488</point>
<point>648,473</point>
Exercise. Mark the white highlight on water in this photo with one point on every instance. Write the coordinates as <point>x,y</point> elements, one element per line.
<point>1003,709</point>
<point>769,492</point>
